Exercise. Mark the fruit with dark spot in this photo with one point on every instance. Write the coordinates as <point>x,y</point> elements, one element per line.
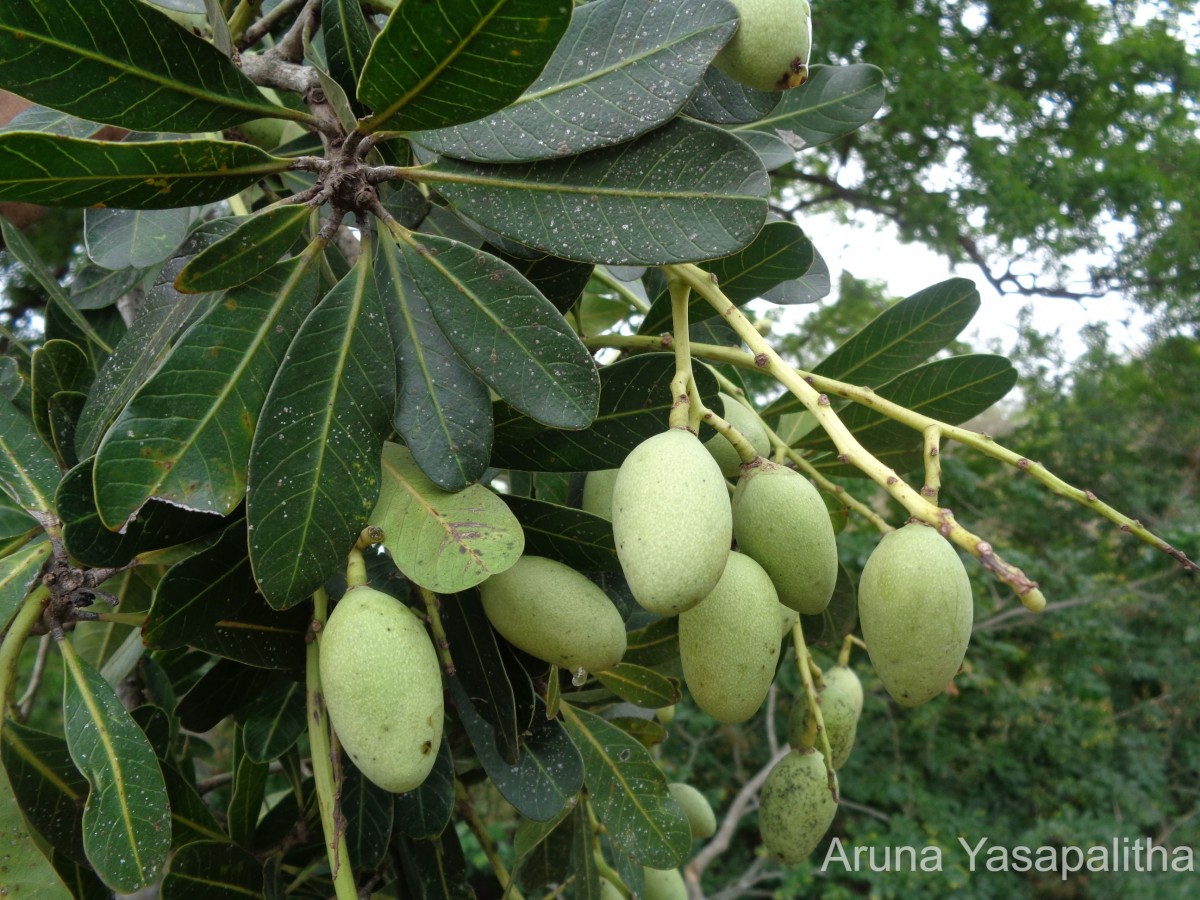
<point>769,51</point>
<point>841,701</point>
<point>795,807</point>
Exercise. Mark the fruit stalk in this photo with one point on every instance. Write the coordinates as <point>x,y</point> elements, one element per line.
<point>681,384</point>
<point>816,721</point>
<point>932,438</point>
<point>328,788</point>
<point>27,616</point>
<point>441,643</point>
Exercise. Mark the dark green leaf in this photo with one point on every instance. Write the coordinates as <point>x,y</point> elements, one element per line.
<point>548,773</point>
<point>812,287</point>
<point>81,881</point>
<point>434,869</point>
<point>647,732</point>
<point>120,62</point>
<point>640,686</point>
<point>444,542</point>
<point>543,851</point>
<point>156,725</point>
<point>259,636</point>
<point>57,366</point>
<point>247,251</point>
<point>629,792</point>
<point>835,101</point>
<point>347,42</point>
<point>212,870</point>
<point>42,118</point>
<point>273,721</point>
<point>950,390</point>
<point>246,796</point>
<point>369,811</point>
<point>220,691</point>
<point>723,101</point>
<point>511,336</point>
<point>314,465</point>
<point>684,192</point>
<point>439,64</point>
<point>781,252</point>
<point>443,412</point>
<point>124,238</point>
<point>899,338</point>
<point>96,288</point>
<point>65,409</point>
<point>623,67</point>
<point>27,872</point>
<point>191,819</point>
<point>186,435</point>
<point>14,521</point>
<point>635,399</point>
<point>47,785</point>
<point>561,281</point>
<point>579,539</point>
<point>424,813</point>
<point>61,171</point>
<point>158,525</point>
<point>838,619</point>
<point>657,644</point>
<point>28,471</point>
<point>773,150</point>
<point>480,670</point>
<point>18,571</point>
<point>126,823</point>
<point>585,884</point>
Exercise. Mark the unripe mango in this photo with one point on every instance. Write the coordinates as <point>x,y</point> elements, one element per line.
<point>598,491</point>
<point>787,618</point>
<point>664,884</point>
<point>751,428</point>
<point>552,612</point>
<point>701,818</point>
<point>729,642</point>
<point>769,51</point>
<point>914,603</point>
<point>841,705</point>
<point>608,890</point>
<point>780,520</point>
<point>671,522</point>
<point>383,688</point>
<point>795,807</point>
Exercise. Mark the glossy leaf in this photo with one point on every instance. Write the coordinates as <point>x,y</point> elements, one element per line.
<point>623,68</point>
<point>424,812</point>
<point>126,822</point>
<point>96,288</point>
<point>443,411</point>
<point>42,118</point>
<point>640,686</point>
<point>810,288</point>
<point>314,464</point>
<point>46,784</point>
<point>723,101</point>
<point>246,793</point>
<point>581,540</point>
<point>61,171</point>
<point>212,870</point>
<point>347,42</point>
<point>950,390</point>
<point>249,250</point>
<point>899,338</point>
<point>185,437</point>
<point>635,400</point>
<point>444,542</point>
<point>656,644</point>
<point>439,64</point>
<point>58,366</point>
<point>220,691</point>
<point>561,281</point>
<point>684,192</point>
<point>369,811</point>
<point>647,732</point>
<point>510,335</point>
<point>838,619</point>
<point>18,571</point>
<point>124,238</point>
<point>27,872</point>
<point>629,792</point>
<point>781,252</point>
<point>434,869</point>
<point>259,636</point>
<point>120,62</point>
<point>28,471</point>
<point>543,850</point>
<point>835,101</point>
<point>273,721</point>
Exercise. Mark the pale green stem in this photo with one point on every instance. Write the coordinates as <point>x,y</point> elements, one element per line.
<point>681,407</point>
<point>848,644</point>
<point>19,630</point>
<point>816,722</point>
<point>609,280</point>
<point>356,569</point>
<point>328,789</point>
<point>441,643</point>
<point>932,439</point>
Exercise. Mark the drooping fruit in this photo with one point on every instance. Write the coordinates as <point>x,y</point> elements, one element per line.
<point>769,51</point>
<point>841,705</point>
<point>751,428</point>
<point>671,522</point>
<point>914,603</point>
<point>701,818</point>
<point>598,491</point>
<point>729,642</point>
<point>780,520</point>
<point>664,884</point>
<point>795,806</point>
<point>552,612</point>
<point>383,688</point>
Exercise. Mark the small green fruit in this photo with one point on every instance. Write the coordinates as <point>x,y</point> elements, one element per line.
<point>841,705</point>
<point>780,520</point>
<point>664,884</point>
<point>729,642</point>
<point>608,890</point>
<point>598,491</point>
<point>671,522</point>
<point>795,806</point>
<point>915,606</point>
<point>701,818</point>
<point>383,688</point>
<point>554,613</point>
<point>769,51</point>
<point>787,618</point>
<point>750,427</point>
<point>665,714</point>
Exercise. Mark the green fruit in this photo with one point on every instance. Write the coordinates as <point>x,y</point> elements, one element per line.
<point>787,618</point>
<point>914,603</point>
<point>665,714</point>
<point>664,884</point>
<point>608,891</point>
<point>383,688</point>
<point>671,522</point>
<point>781,521</point>
<point>795,806</point>
<point>701,818</point>
<point>841,705</point>
<point>598,491</point>
<point>751,428</point>
<point>729,642</point>
<point>769,51</point>
<point>554,613</point>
